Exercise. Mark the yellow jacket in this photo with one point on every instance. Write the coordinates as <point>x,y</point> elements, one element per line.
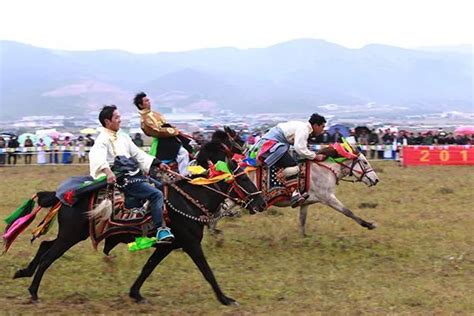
<point>152,125</point>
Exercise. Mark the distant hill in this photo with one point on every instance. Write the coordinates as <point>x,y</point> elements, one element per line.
<point>298,75</point>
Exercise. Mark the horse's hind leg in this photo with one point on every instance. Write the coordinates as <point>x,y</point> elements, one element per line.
<point>56,251</point>
<point>196,253</point>
<point>338,206</point>
<point>30,270</point>
<point>160,253</point>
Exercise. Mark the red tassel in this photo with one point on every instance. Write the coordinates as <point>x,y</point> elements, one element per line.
<point>17,228</point>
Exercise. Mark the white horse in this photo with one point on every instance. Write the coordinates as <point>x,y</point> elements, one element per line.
<point>325,176</point>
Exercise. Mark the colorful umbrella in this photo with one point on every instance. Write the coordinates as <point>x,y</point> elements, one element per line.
<point>22,138</point>
<point>88,130</point>
<point>464,130</point>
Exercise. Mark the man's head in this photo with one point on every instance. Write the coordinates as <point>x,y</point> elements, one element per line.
<point>141,101</point>
<point>109,117</point>
<point>318,122</point>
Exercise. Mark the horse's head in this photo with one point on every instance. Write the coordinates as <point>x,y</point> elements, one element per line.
<point>237,143</point>
<point>361,169</point>
<point>245,190</point>
<point>241,187</point>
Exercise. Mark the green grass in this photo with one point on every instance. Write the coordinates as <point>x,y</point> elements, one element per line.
<point>419,260</point>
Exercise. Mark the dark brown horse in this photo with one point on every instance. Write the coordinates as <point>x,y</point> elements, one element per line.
<point>185,224</point>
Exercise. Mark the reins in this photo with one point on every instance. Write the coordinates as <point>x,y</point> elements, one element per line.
<point>351,171</point>
<point>208,217</point>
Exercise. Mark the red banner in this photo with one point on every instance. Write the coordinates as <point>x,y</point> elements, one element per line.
<point>438,155</point>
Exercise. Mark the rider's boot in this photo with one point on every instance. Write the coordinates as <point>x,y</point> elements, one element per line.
<point>292,184</point>
<point>164,235</point>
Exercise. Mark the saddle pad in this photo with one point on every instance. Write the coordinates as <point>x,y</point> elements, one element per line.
<point>271,182</point>
<point>136,221</point>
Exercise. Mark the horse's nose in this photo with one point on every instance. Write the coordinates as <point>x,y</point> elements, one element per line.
<point>376,181</point>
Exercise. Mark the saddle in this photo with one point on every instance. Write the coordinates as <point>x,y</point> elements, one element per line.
<point>129,216</point>
<point>271,182</point>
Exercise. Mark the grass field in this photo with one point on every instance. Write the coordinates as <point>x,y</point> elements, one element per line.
<point>419,260</point>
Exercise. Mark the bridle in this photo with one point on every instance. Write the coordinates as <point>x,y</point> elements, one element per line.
<point>233,142</point>
<point>244,198</point>
<point>358,174</point>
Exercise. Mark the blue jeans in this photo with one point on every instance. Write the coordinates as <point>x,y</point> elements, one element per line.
<point>144,191</point>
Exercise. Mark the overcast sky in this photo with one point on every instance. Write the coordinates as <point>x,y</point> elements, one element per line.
<point>147,26</point>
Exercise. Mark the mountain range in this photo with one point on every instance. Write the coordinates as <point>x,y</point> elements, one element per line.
<point>295,76</point>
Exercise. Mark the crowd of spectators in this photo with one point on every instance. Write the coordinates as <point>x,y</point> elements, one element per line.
<point>64,151</point>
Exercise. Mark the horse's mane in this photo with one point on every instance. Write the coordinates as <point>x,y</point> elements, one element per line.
<point>212,151</point>
<point>220,136</point>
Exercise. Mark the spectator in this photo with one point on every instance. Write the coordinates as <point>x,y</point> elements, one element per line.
<point>53,156</point>
<point>411,139</point>
<point>41,159</point>
<point>373,141</point>
<point>3,144</point>
<point>89,142</point>
<point>380,142</point>
<point>13,145</point>
<point>137,140</point>
<point>450,140</point>
<point>337,136</point>
<point>28,144</point>
<point>461,140</point>
<point>67,156</point>
<point>428,139</point>
<point>81,149</point>
<point>364,141</point>
<point>324,138</point>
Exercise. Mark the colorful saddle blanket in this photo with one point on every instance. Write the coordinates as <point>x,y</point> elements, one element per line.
<point>132,220</point>
<point>271,182</point>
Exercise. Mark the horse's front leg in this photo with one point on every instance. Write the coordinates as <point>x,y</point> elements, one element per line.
<point>338,206</point>
<point>197,255</point>
<point>160,253</point>
<point>303,215</point>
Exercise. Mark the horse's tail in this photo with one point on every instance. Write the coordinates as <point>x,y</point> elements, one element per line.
<point>103,211</point>
<point>47,198</point>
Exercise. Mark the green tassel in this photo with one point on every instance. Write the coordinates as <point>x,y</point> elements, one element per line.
<point>19,211</point>
<point>222,166</point>
<point>338,159</point>
<point>141,243</point>
<point>88,183</point>
<point>154,147</point>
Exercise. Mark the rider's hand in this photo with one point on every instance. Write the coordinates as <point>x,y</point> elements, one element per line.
<point>164,167</point>
<point>111,179</point>
<point>319,157</point>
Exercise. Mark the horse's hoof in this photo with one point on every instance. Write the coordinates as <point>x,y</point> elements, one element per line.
<point>20,274</point>
<point>229,301</point>
<point>138,298</point>
<point>142,301</point>
<point>372,226</point>
<point>33,296</point>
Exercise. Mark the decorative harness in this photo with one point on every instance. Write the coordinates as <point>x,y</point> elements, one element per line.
<point>234,143</point>
<point>352,172</point>
<point>244,198</point>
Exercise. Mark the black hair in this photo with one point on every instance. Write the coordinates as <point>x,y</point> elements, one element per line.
<point>138,99</point>
<point>106,113</point>
<point>317,119</point>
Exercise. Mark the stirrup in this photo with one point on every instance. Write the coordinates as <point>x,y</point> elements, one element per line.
<point>297,200</point>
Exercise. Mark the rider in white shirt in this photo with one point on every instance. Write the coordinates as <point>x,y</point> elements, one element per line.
<point>274,146</point>
<point>112,143</point>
